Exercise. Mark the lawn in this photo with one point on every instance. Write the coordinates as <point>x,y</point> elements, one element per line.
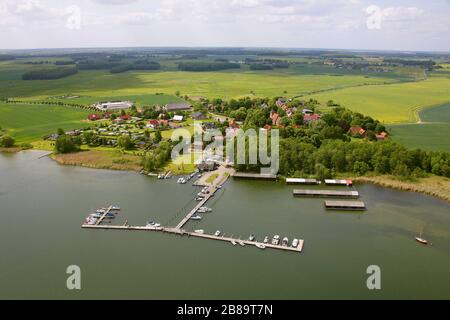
<point>427,136</point>
<point>28,123</point>
<point>394,103</point>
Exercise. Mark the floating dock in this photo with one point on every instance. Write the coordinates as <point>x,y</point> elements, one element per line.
<point>333,182</point>
<point>345,205</point>
<point>301,181</point>
<point>256,176</point>
<point>325,193</point>
<point>182,232</point>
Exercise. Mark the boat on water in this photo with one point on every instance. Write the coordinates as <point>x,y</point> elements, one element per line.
<point>421,240</point>
<point>266,239</point>
<point>276,240</point>
<point>160,176</point>
<point>115,208</point>
<point>199,199</point>
<point>200,231</point>
<point>285,242</point>
<point>90,221</point>
<point>196,217</point>
<point>182,181</point>
<point>206,209</point>
<point>154,224</point>
<point>251,238</point>
<point>217,233</point>
<point>295,243</point>
<point>99,215</point>
<point>261,246</point>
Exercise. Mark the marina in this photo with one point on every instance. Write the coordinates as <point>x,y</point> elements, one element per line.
<point>345,205</point>
<point>206,193</point>
<point>325,193</point>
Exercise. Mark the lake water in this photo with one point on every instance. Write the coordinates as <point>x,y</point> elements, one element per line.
<point>43,204</point>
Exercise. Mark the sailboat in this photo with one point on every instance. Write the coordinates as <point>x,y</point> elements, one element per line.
<point>420,239</point>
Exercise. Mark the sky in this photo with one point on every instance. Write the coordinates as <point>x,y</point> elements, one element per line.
<point>415,25</point>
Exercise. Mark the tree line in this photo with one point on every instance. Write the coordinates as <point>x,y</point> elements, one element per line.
<point>207,66</point>
<point>49,73</point>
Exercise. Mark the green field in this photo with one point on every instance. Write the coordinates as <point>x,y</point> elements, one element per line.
<point>440,113</point>
<point>427,136</point>
<point>392,103</point>
<point>28,123</point>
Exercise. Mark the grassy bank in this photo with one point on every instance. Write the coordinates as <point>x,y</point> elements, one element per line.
<point>434,186</point>
<point>100,160</point>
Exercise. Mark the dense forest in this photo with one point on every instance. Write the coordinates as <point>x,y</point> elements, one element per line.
<point>49,73</point>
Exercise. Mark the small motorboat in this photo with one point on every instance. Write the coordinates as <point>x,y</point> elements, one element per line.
<point>196,217</point>
<point>261,246</point>
<point>116,208</point>
<point>295,243</point>
<point>276,240</point>
<point>421,240</point>
<point>200,231</point>
<point>199,199</point>
<point>217,233</point>
<point>251,238</point>
<point>285,242</point>
<point>266,239</point>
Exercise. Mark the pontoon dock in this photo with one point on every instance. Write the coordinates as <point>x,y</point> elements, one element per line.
<point>258,176</point>
<point>325,193</point>
<point>345,205</point>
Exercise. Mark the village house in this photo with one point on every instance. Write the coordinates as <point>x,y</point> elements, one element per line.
<point>154,124</point>
<point>307,118</point>
<point>276,119</point>
<point>357,131</point>
<point>177,118</point>
<point>381,136</point>
<point>183,106</point>
<point>198,116</point>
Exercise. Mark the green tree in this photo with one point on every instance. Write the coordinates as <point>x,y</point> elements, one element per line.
<point>7,141</point>
<point>125,142</point>
<point>65,144</point>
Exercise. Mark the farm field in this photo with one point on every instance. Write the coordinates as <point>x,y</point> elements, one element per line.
<point>28,123</point>
<point>226,84</point>
<point>394,103</point>
<point>427,136</point>
<point>440,113</point>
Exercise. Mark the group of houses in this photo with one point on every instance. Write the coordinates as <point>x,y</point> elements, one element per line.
<point>282,103</point>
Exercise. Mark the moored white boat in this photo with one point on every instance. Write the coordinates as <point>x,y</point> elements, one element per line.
<point>260,245</point>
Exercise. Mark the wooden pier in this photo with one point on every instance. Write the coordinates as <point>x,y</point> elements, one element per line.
<point>182,232</point>
<point>211,190</point>
<point>100,220</point>
<point>325,193</point>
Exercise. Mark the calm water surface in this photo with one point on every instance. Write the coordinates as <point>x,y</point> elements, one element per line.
<point>42,206</point>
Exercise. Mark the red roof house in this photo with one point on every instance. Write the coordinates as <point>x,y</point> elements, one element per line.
<point>357,131</point>
<point>381,136</point>
<point>311,117</point>
<point>94,117</point>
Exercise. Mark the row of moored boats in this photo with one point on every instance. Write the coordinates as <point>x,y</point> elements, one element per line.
<point>276,240</point>
<point>105,213</point>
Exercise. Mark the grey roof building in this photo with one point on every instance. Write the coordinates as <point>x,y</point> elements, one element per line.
<point>182,106</point>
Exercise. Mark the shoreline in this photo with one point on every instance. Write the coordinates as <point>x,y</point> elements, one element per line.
<point>435,186</point>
